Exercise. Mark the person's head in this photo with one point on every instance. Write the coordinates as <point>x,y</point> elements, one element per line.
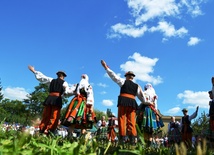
<point>129,75</point>
<point>210,94</point>
<point>103,118</point>
<point>148,86</point>
<point>61,74</point>
<point>172,119</point>
<point>185,111</point>
<point>85,77</point>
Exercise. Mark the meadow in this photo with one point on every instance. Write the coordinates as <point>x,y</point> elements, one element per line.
<point>15,142</point>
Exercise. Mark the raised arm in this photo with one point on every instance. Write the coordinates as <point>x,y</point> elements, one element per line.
<point>117,79</point>
<point>40,76</point>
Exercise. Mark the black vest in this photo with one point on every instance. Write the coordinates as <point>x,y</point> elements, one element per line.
<point>56,85</point>
<point>129,87</point>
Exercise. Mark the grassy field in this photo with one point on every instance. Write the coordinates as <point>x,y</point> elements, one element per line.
<point>19,143</point>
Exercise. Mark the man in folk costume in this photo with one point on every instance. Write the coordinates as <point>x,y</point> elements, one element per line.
<point>112,124</point>
<point>53,103</point>
<point>186,130</point>
<point>127,104</point>
<point>80,113</point>
<point>211,115</point>
<point>149,119</point>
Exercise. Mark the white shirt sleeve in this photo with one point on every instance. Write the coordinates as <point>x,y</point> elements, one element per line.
<point>140,94</point>
<point>90,95</point>
<point>99,123</point>
<point>70,90</point>
<point>194,115</point>
<point>120,81</point>
<point>42,78</point>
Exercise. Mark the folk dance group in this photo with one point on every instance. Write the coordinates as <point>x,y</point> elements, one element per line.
<point>80,112</point>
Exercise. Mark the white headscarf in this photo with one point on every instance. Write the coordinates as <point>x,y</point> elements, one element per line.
<point>150,94</point>
<point>83,83</point>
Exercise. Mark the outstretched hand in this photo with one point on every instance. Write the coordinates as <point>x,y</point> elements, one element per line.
<point>197,108</point>
<point>104,64</point>
<point>212,80</point>
<point>31,68</point>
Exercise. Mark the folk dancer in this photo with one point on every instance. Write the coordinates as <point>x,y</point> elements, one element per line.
<point>126,104</point>
<point>102,129</point>
<point>53,103</point>
<point>174,133</point>
<point>80,113</point>
<point>186,129</point>
<point>149,119</point>
<point>112,124</point>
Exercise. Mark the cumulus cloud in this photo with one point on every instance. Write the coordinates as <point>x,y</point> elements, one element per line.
<point>169,30</point>
<point>193,41</point>
<point>142,73</point>
<point>156,16</point>
<point>15,93</point>
<point>193,99</point>
<point>173,111</point>
<point>108,103</point>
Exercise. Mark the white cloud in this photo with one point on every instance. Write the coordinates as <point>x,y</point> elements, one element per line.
<point>128,30</point>
<point>148,10</point>
<point>15,93</point>
<point>173,111</point>
<point>193,99</point>
<point>146,14</point>
<point>169,30</point>
<point>142,67</point>
<point>193,7</point>
<point>107,103</point>
<point>102,85</point>
<point>193,41</point>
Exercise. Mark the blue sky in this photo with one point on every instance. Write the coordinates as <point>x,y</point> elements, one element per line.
<point>167,43</point>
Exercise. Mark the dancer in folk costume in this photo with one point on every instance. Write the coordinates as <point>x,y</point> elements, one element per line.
<point>211,115</point>
<point>127,104</point>
<point>80,113</point>
<point>102,128</point>
<point>112,124</point>
<point>186,129</point>
<point>174,133</point>
<point>53,103</point>
<point>149,119</point>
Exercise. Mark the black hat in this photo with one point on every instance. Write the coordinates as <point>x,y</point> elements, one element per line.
<point>210,92</point>
<point>184,110</point>
<point>129,73</point>
<point>111,115</point>
<point>62,72</point>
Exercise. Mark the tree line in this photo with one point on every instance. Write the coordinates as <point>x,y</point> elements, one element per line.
<point>31,108</point>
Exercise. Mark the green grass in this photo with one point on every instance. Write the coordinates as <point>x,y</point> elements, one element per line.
<point>19,143</point>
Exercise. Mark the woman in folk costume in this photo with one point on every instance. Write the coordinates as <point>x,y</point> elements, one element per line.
<point>80,112</point>
<point>174,133</point>
<point>102,128</point>
<point>149,119</point>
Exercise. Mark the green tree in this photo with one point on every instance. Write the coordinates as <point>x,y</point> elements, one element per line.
<point>200,124</point>
<point>35,100</point>
<point>99,114</point>
<point>13,111</point>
